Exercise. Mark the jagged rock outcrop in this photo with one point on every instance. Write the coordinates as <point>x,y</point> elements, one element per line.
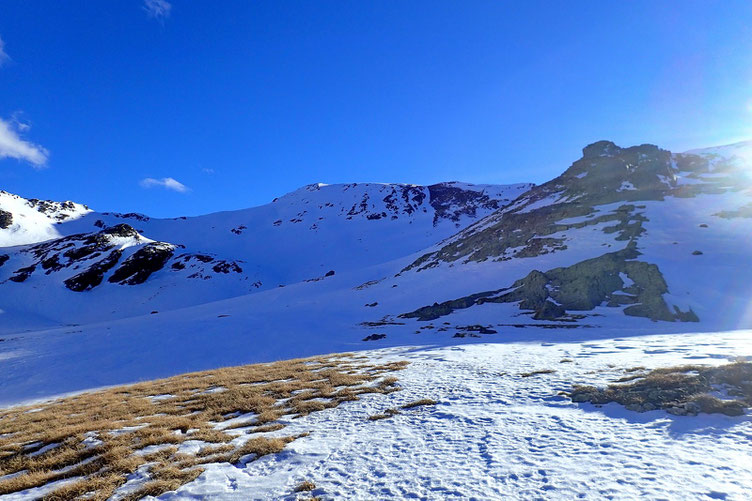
<point>73,252</point>
<point>6,219</point>
<point>145,261</point>
<point>94,275</point>
<point>452,202</point>
<point>199,264</point>
<point>60,211</point>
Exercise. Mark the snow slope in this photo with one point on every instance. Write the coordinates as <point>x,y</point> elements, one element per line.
<point>740,152</point>
<point>25,221</point>
<point>495,434</point>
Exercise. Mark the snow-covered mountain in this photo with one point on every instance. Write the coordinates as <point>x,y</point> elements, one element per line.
<point>624,241</point>
<point>30,220</point>
<point>309,234</point>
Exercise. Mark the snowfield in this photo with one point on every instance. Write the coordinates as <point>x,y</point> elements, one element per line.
<point>495,434</point>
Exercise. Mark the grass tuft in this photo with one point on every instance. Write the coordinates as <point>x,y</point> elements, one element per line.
<point>681,390</point>
<point>306,486</point>
<point>387,414</point>
<point>418,403</point>
<point>537,373</point>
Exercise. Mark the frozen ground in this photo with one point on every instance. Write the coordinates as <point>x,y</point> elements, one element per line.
<point>495,434</point>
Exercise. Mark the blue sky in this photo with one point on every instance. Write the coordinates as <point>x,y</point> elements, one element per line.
<point>234,103</point>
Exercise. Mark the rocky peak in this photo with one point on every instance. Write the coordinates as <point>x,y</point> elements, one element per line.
<point>607,173</point>
<point>121,230</point>
<point>450,201</point>
<point>600,149</point>
<point>59,211</point>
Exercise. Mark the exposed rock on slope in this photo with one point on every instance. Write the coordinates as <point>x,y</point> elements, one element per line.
<point>75,251</point>
<point>452,201</point>
<point>101,252</point>
<point>616,279</point>
<point>145,261</point>
<point>94,275</point>
<point>6,219</point>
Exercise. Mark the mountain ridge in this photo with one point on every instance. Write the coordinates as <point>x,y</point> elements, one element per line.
<point>228,254</point>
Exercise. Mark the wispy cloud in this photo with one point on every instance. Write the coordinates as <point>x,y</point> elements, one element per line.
<point>4,57</point>
<point>157,9</point>
<point>208,171</point>
<point>13,146</point>
<point>167,183</point>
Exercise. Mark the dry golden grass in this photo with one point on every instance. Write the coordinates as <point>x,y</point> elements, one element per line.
<point>100,487</point>
<point>681,390</point>
<point>387,414</point>
<point>410,405</point>
<point>305,486</point>
<point>537,373</point>
<point>418,403</point>
<point>97,439</point>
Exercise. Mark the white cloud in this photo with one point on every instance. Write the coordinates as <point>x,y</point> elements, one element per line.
<point>12,146</point>
<point>4,57</point>
<point>167,183</point>
<point>158,9</point>
<point>207,171</point>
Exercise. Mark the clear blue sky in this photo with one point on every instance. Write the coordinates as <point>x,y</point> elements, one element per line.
<point>241,101</point>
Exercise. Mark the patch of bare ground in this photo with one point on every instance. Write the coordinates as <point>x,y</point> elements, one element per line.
<point>393,412</point>
<point>537,373</point>
<point>306,486</point>
<point>682,390</point>
<point>97,439</point>
<point>385,415</point>
<point>419,403</point>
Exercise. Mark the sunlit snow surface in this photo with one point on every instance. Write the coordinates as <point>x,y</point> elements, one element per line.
<point>495,434</point>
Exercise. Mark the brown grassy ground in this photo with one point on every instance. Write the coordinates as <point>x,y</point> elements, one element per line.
<point>537,373</point>
<point>419,403</point>
<point>682,390</point>
<point>99,438</point>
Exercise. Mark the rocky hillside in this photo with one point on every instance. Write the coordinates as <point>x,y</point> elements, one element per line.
<point>606,174</point>
<point>613,192</point>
